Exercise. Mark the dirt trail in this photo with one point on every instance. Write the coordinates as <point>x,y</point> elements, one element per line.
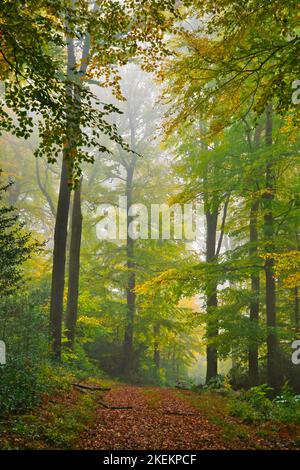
<point>158,419</point>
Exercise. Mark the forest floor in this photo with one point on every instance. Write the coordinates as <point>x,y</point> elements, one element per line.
<point>164,418</point>
<point>131,417</point>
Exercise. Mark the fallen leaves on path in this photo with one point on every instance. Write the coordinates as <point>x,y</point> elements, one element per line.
<point>159,419</point>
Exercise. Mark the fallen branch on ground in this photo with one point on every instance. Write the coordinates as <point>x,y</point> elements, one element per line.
<point>181,413</point>
<point>92,388</point>
<point>109,407</point>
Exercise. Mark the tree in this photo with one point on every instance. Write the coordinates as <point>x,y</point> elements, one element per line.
<point>241,56</point>
<point>231,68</point>
<point>204,167</point>
<point>32,37</point>
<point>16,247</point>
<point>272,342</point>
<point>113,43</point>
<point>74,267</point>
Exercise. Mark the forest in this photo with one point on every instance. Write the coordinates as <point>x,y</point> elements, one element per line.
<point>149,224</point>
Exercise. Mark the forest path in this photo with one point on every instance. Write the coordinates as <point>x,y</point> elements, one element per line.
<point>156,419</point>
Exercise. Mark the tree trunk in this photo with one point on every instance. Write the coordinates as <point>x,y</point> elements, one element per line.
<point>59,261</point>
<point>254,304</point>
<point>74,268</point>
<point>76,223</point>
<point>130,294</point>
<point>211,297</point>
<point>61,225</point>
<point>272,341</point>
<point>128,365</point>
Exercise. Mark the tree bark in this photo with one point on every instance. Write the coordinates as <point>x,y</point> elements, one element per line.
<point>74,268</point>
<point>128,350</point>
<point>255,277</point>
<point>130,294</point>
<point>76,225</point>
<point>59,261</point>
<point>211,297</point>
<point>272,341</point>
<point>61,225</point>
<point>254,304</point>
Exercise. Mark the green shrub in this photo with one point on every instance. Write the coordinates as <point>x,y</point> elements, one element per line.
<point>215,383</point>
<point>22,379</point>
<point>258,398</point>
<point>253,405</point>
<point>287,406</point>
<point>244,411</point>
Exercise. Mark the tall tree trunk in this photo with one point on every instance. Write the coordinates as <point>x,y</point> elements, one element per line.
<point>128,364</point>
<point>130,294</point>
<point>74,267</point>
<point>59,261</point>
<point>61,225</point>
<point>211,297</point>
<point>255,277</point>
<point>272,341</point>
<point>254,304</point>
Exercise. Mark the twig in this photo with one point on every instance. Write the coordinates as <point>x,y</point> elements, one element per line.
<point>180,413</point>
<point>108,407</point>
<point>91,388</point>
